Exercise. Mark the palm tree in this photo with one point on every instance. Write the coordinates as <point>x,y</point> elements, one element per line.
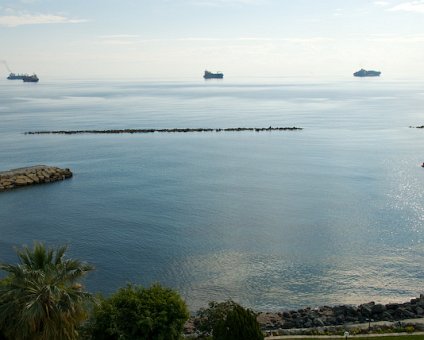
<point>41,297</point>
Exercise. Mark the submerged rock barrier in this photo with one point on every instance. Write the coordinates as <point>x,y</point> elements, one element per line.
<point>38,174</point>
<point>174,130</point>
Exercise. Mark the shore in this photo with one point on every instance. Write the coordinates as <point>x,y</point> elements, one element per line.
<point>334,318</point>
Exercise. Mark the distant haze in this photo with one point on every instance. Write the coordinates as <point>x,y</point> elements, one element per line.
<point>181,38</point>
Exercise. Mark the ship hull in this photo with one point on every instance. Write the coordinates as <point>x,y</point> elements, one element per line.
<point>30,79</point>
<point>214,76</point>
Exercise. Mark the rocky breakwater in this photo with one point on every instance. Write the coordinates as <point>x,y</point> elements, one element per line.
<point>175,130</point>
<point>39,174</point>
<point>344,314</point>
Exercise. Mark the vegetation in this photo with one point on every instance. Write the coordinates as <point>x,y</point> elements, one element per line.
<point>134,312</point>
<point>229,321</point>
<point>41,298</point>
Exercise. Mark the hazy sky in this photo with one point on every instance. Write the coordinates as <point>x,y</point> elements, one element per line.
<point>181,38</point>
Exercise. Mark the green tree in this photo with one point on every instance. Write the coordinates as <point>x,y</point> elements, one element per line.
<point>42,297</point>
<point>229,321</point>
<point>135,312</point>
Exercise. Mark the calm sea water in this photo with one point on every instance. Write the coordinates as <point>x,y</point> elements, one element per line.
<point>331,214</point>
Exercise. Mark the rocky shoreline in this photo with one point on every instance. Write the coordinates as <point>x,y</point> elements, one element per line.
<point>175,130</point>
<point>330,316</point>
<point>339,315</point>
<point>38,174</point>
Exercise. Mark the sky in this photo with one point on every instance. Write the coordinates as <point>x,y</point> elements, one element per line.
<point>182,38</point>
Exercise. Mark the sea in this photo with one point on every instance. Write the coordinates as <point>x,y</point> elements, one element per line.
<point>275,220</point>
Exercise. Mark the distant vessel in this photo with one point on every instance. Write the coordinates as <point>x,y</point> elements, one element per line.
<point>13,76</point>
<point>210,75</point>
<point>24,76</point>
<point>30,79</point>
<point>365,73</point>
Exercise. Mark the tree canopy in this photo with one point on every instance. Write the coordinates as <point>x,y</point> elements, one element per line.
<point>135,312</point>
<point>42,297</point>
<point>229,321</point>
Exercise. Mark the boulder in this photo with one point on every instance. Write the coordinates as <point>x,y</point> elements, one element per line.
<point>378,309</point>
<point>20,181</point>
<point>318,322</point>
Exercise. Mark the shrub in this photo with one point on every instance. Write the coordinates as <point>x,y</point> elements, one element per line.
<point>229,321</point>
<point>135,312</point>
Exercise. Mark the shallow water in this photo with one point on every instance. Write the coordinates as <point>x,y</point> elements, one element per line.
<point>330,214</point>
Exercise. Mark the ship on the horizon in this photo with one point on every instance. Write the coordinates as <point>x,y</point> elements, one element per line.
<point>365,73</point>
<point>30,79</point>
<point>210,75</point>
<point>20,76</point>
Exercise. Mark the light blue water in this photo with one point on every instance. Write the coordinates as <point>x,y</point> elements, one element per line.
<point>331,214</point>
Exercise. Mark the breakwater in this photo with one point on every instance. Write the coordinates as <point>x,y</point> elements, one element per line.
<point>339,315</point>
<point>329,316</point>
<point>174,130</point>
<point>38,174</point>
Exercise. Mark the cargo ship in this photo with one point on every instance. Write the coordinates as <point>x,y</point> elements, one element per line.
<point>210,75</point>
<point>30,79</point>
<point>365,73</point>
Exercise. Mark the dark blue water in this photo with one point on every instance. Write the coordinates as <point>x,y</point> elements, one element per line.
<point>331,214</point>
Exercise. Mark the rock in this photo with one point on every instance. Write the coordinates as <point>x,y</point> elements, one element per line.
<point>21,181</point>
<point>288,324</point>
<point>32,175</point>
<point>403,313</point>
<point>307,324</point>
<point>392,306</point>
<point>386,316</point>
<point>366,309</point>
<point>351,311</point>
<point>319,323</point>
<point>377,309</point>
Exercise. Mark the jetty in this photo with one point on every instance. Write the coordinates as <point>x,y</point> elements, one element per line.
<point>174,130</point>
<point>32,175</point>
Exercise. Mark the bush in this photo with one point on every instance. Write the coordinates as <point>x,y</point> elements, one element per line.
<point>229,321</point>
<point>134,312</point>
